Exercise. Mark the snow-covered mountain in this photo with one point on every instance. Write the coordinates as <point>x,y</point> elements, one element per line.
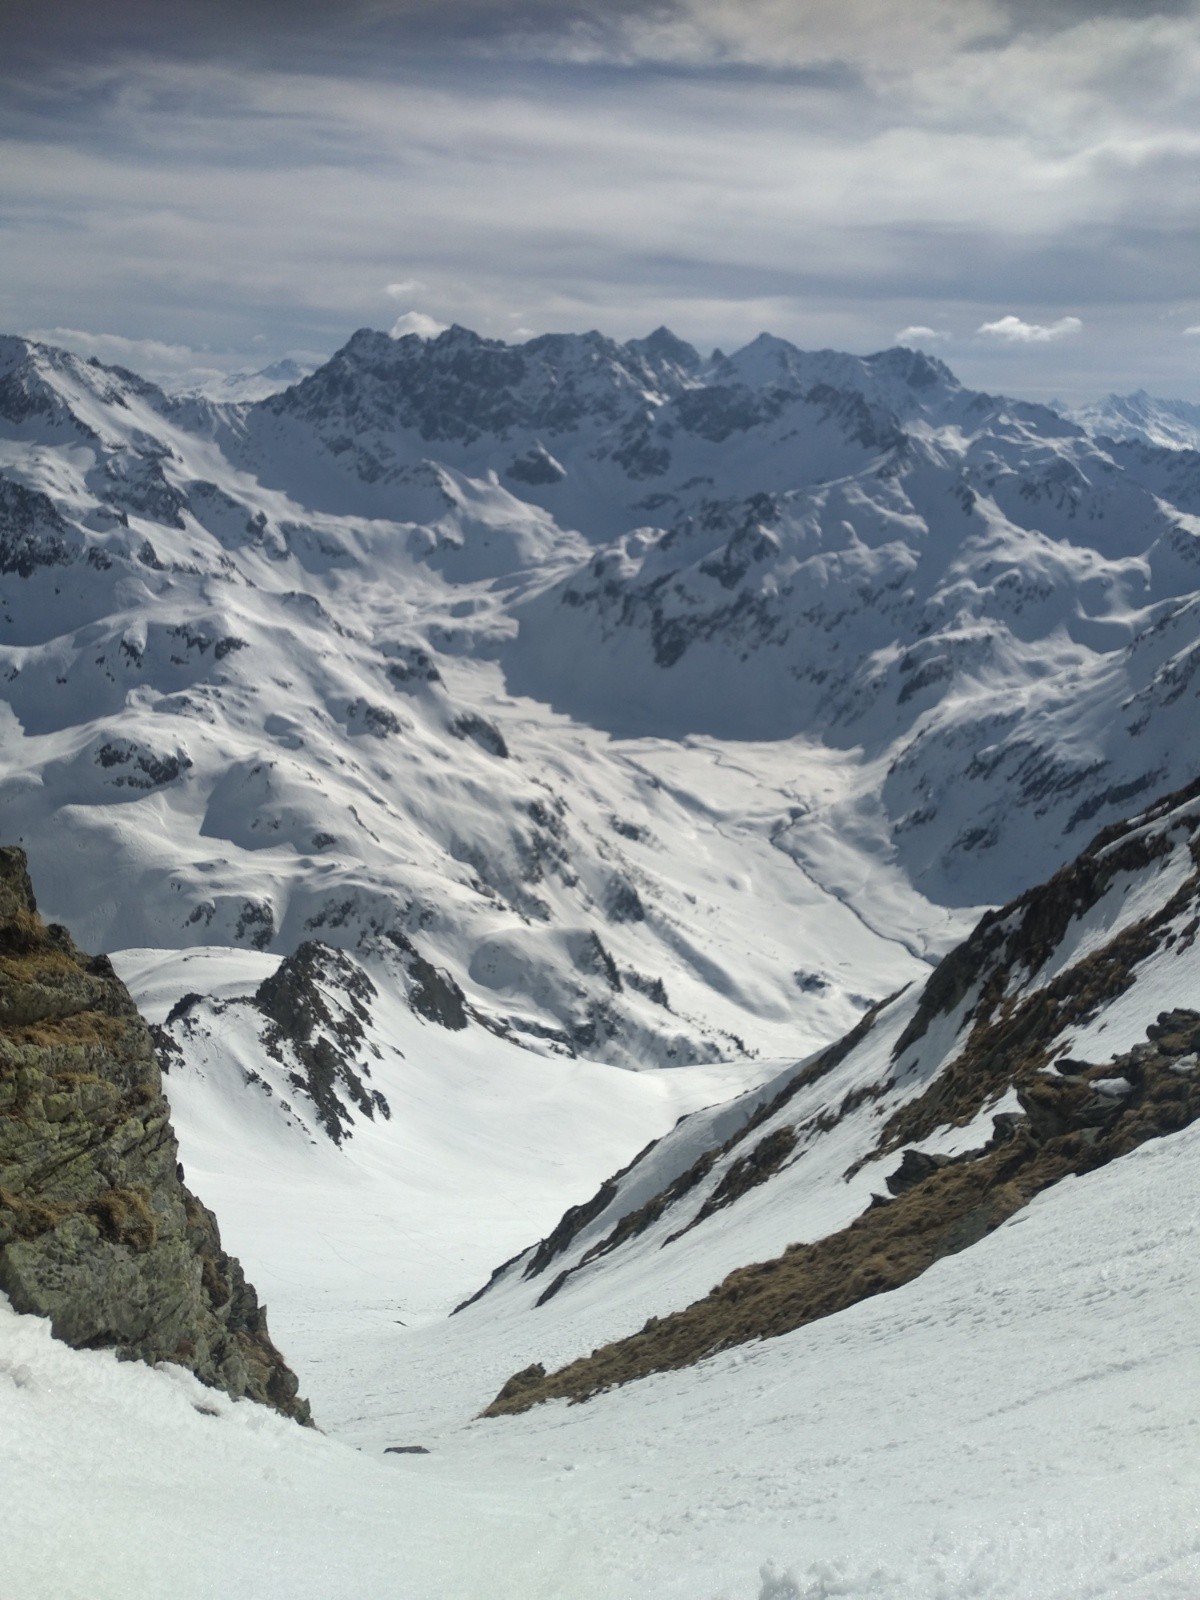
<point>577,665</point>
<point>248,385</point>
<point>1171,424</point>
<point>434,740</point>
<point>900,1444</point>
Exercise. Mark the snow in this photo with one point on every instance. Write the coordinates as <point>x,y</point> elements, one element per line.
<point>1166,424</point>
<point>1168,981</point>
<point>962,629</point>
<point>678,712</point>
<point>1018,1424</point>
<point>486,1146</point>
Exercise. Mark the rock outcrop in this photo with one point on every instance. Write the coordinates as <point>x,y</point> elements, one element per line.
<point>97,1229</point>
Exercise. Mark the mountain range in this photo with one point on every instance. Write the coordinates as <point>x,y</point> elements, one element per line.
<point>479,760</point>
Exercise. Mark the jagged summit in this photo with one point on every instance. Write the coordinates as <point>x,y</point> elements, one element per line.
<point>665,346</point>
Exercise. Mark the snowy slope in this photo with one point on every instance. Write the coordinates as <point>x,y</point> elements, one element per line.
<point>1017,1425</point>
<point>259,723</point>
<point>1030,1022</point>
<point>1171,424</point>
<point>381,1176</point>
<point>1034,1051</point>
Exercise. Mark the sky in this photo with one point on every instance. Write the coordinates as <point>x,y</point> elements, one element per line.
<point>189,186</point>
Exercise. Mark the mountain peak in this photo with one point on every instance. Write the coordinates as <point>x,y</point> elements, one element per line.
<point>663,345</point>
<point>914,367</point>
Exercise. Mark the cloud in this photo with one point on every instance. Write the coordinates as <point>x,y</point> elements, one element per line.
<point>919,335</point>
<point>425,327</point>
<point>153,358</point>
<point>1012,330</point>
<point>115,347</point>
<point>828,170</point>
<point>1194,329</point>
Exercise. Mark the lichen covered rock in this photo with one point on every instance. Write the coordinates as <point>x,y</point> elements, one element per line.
<point>97,1230</point>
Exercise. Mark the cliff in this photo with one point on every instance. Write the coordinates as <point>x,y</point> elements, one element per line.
<point>97,1230</point>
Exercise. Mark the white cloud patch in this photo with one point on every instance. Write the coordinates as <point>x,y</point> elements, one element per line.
<point>1192,331</point>
<point>1012,330</point>
<point>144,355</point>
<point>425,327</point>
<point>404,290</point>
<point>173,366</point>
<point>918,335</point>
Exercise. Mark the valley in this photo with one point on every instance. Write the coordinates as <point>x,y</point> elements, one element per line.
<point>664,889</point>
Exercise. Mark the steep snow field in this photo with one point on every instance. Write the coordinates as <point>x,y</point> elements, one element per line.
<point>486,1145</point>
<point>1019,1424</point>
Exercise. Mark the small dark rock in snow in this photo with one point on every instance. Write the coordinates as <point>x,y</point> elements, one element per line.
<point>915,1167</point>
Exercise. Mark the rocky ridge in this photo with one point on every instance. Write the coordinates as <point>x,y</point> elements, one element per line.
<point>98,1231</point>
<point>968,1100</point>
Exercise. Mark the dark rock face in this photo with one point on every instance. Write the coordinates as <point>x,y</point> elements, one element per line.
<point>138,484</point>
<point>97,1231</point>
<point>433,994</point>
<point>914,1169</point>
<point>536,466</point>
<point>32,534</point>
<point>485,734</point>
<point>319,1035</point>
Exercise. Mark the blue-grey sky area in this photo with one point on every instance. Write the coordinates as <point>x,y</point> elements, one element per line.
<point>189,185</point>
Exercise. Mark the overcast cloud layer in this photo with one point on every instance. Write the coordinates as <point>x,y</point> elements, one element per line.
<point>1013,185</point>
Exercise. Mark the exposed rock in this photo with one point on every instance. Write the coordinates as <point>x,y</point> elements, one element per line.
<point>409,665</point>
<point>32,533</point>
<point>372,719</point>
<point>484,733</point>
<point>536,466</point>
<point>623,903</point>
<point>433,994</point>
<point>97,1231</point>
<point>319,1037</point>
<point>915,1168</point>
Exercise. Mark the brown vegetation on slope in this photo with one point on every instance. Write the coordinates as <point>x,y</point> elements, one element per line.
<point>1067,1128</point>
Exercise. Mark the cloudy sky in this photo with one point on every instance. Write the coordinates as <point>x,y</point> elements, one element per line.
<point>1014,184</point>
